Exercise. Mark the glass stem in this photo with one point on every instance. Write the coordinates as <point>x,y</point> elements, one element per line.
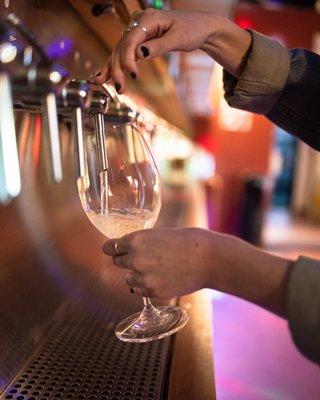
<point>147,302</point>
<point>149,312</point>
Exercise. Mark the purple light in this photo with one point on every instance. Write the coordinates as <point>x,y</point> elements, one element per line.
<point>60,48</point>
<point>62,70</point>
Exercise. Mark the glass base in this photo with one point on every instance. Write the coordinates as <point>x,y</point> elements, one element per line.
<point>151,324</point>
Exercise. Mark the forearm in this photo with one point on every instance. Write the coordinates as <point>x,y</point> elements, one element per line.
<point>251,274</point>
<point>228,45</point>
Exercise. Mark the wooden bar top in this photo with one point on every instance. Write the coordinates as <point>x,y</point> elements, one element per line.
<point>192,374</point>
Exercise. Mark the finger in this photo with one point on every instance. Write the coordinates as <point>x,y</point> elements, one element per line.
<point>128,54</point>
<point>134,280</point>
<point>150,24</point>
<point>117,73</point>
<point>124,55</point>
<point>115,247</point>
<point>157,47</point>
<point>123,261</point>
<point>130,42</point>
<point>104,74</point>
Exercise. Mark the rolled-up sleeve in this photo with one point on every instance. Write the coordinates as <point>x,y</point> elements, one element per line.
<point>263,77</point>
<point>303,306</point>
<point>283,85</point>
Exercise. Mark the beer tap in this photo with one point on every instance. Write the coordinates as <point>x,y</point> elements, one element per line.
<point>35,85</point>
<point>75,96</point>
<point>10,182</point>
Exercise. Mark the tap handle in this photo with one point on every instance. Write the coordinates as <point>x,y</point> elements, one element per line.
<point>50,118</point>
<point>112,92</point>
<point>10,182</point>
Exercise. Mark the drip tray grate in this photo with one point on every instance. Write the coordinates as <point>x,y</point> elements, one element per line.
<point>82,359</point>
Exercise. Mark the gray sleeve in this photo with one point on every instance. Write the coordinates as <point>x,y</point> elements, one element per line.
<point>262,79</point>
<point>303,306</point>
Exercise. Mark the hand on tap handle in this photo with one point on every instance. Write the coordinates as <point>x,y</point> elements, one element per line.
<point>152,33</point>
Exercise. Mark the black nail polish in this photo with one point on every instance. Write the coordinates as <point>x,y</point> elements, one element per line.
<point>118,87</point>
<point>98,73</point>
<point>133,75</point>
<point>145,51</point>
<point>131,290</point>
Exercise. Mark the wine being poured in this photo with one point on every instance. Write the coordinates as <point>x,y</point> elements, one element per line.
<point>120,196</point>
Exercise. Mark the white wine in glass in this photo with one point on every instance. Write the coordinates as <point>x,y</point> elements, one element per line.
<point>120,192</point>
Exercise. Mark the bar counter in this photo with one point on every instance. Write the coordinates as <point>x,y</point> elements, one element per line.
<point>76,353</point>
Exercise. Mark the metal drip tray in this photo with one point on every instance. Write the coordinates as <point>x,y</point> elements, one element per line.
<point>81,358</point>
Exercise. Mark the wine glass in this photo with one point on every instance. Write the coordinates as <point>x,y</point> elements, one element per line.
<point>120,192</point>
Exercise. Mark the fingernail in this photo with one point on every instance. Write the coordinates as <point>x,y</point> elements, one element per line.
<point>131,290</point>
<point>145,51</point>
<point>133,75</point>
<point>118,87</point>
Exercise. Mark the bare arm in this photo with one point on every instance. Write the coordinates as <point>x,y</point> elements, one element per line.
<point>252,274</point>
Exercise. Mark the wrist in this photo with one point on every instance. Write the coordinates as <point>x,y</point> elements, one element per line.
<point>228,44</point>
<point>223,255</point>
<point>214,31</point>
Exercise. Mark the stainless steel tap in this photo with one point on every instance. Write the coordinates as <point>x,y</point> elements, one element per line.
<point>34,84</point>
<point>75,96</point>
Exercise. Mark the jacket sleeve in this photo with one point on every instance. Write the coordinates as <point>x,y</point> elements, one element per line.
<point>283,85</point>
<point>303,307</point>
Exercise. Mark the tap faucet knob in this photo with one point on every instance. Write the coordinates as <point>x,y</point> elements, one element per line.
<point>74,94</point>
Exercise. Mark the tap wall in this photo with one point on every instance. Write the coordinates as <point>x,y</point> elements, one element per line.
<point>48,249</point>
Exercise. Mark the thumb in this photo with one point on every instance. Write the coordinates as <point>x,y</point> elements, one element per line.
<point>156,47</point>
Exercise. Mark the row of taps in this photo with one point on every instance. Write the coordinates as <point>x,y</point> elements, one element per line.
<point>40,87</point>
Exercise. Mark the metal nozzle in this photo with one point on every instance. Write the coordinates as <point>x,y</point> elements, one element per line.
<point>99,103</point>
